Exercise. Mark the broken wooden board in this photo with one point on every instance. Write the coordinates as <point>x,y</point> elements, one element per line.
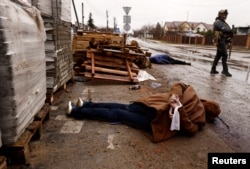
<point>111,64</point>
<point>110,71</point>
<point>3,163</point>
<point>111,77</point>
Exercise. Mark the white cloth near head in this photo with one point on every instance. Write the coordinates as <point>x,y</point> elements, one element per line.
<point>175,124</point>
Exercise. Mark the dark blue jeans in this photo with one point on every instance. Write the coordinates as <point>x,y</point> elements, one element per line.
<point>135,114</point>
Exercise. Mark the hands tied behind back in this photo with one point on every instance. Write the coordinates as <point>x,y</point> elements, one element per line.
<point>174,102</point>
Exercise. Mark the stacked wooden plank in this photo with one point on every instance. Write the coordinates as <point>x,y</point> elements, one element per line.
<point>107,56</point>
<point>112,64</point>
<point>22,68</point>
<point>56,15</point>
<point>81,42</point>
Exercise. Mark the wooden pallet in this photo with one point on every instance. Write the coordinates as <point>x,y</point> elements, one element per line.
<point>3,164</point>
<point>50,92</point>
<point>19,152</point>
<point>112,65</point>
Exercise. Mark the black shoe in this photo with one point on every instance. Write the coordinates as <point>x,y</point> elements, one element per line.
<point>226,74</point>
<point>214,72</point>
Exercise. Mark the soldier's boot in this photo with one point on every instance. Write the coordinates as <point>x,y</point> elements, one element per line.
<point>226,73</point>
<point>225,70</point>
<point>213,70</point>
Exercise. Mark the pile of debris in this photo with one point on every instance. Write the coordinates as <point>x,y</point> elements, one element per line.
<point>107,56</point>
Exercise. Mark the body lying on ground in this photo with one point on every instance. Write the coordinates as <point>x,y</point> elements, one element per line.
<point>163,115</point>
<point>166,59</point>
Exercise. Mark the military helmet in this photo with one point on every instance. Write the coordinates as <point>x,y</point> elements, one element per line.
<point>223,11</point>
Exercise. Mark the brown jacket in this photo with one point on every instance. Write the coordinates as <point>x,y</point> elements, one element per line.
<point>192,113</point>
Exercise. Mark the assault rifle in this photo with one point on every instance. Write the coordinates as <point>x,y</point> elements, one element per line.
<point>230,44</point>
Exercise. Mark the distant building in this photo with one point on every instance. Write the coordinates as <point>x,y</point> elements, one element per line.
<point>243,30</point>
<point>186,27</point>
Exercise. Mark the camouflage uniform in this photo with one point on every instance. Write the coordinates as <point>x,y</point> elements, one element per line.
<point>222,37</point>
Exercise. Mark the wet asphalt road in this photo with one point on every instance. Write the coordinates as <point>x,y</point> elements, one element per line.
<point>231,92</point>
<point>89,144</point>
<point>238,63</point>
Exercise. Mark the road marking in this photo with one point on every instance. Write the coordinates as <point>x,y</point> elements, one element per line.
<point>54,107</point>
<point>72,127</point>
<point>110,141</point>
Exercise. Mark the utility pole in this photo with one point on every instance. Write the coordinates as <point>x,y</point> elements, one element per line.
<point>115,24</point>
<point>75,13</point>
<point>190,29</point>
<point>82,16</point>
<point>162,29</point>
<point>107,20</point>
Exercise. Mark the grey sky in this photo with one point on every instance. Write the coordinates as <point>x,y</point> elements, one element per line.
<point>145,12</point>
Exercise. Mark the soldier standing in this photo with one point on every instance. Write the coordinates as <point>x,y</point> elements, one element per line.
<point>222,38</point>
